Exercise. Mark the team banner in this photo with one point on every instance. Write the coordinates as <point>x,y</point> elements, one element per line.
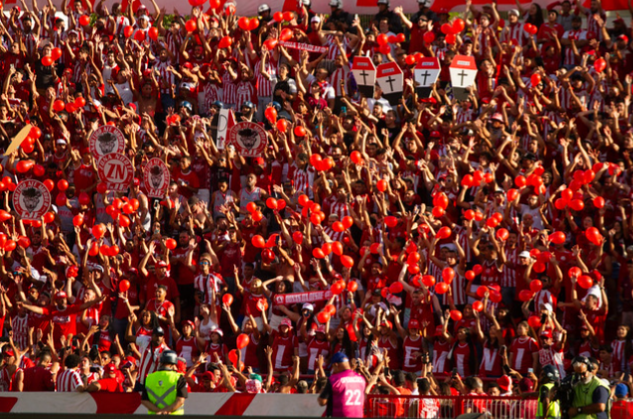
<point>105,140</point>
<point>248,138</point>
<point>302,297</point>
<point>31,199</point>
<point>156,178</point>
<point>303,46</point>
<point>116,170</point>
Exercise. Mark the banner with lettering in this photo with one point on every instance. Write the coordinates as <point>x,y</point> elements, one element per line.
<point>302,297</point>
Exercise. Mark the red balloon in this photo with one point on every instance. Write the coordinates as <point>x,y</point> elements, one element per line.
<point>598,202</point>
<point>56,53</point>
<point>24,166</point>
<point>438,212</point>
<point>114,250</point>
<point>391,221</point>
<point>49,217</point>
<point>242,341</point>
<point>78,220</point>
<point>441,288</point>
<point>381,185</point>
<point>128,31</point>
<point>323,317</point>
<point>536,285</point>
<point>258,241</point>
<point>459,25</point>
<point>171,244</point>
<point>558,237</point>
<point>503,234</point>
<point>84,20</point>
<point>347,261</point>
<point>478,306</point>
<point>315,159</point>
<point>24,242</point>
<point>477,269</point>
<point>600,64</point>
<point>470,275</point>
<point>594,236</point>
<point>59,105</point>
<point>227,299</point>
<point>124,221</point>
<point>450,38</point>
<point>271,203</point>
<point>534,322</point>
<point>47,61</point>
<point>282,125</point>
<point>525,295</point>
<point>448,274</point>
<point>428,280</point>
<point>38,170</point>
<point>456,315</point>
<point>243,23</point>
<point>536,79</point>
<point>446,29</point>
<point>318,253</point>
<point>337,248</point>
<point>352,286</point>
<point>469,214</point>
<point>4,216</point>
<point>10,245</point>
<point>585,282</point>
<point>233,356</point>
<point>297,237</point>
<point>124,285</point>
<point>257,216</point>
<point>429,37</point>
<point>253,24</point>
<point>191,25</point>
<point>98,231</point>
<point>444,233</point>
<point>395,288</point>
<point>300,131</point>
<point>153,33</point>
<point>520,181</point>
<point>482,290</point>
<point>577,204</point>
<point>356,157</point>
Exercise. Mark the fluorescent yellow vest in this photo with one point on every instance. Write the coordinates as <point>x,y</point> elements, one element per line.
<point>553,408</point>
<point>583,394</point>
<point>161,389</point>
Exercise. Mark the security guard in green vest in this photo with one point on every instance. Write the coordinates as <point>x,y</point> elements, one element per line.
<point>591,395</point>
<point>547,407</point>
<point>165,390</point>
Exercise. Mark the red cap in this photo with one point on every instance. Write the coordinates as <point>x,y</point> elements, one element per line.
<point>414,324</point>
<point>61,294</point>
<point>546,333</point>
<point>386,323</point>
<point>435,134</point>
<point>110,368</point>
<point>504,382</point>
<point>162,264</point>
<point>190,323</point>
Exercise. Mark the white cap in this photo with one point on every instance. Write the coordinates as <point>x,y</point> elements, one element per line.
<point>263,8</point>
<point>315,19</point>
<point>383,2</point>
<point>514,12</point>
<point>336,3</point>
<point>307,306</point>
<point>524,254</point>
<point>61,141</point>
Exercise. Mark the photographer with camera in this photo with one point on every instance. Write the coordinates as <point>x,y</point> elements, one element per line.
<point>548,407</point>
<point>590,394</point>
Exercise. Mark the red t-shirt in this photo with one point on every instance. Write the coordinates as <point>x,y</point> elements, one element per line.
<point>110,385</point>
<point>38,378</point>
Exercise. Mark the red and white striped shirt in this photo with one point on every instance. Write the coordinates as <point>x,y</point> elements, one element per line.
<point>576,35</point>
<point>508,275</point>
<point>514,32</point>
<point>68,380</point>
<point>150,360</point>
<point>204,283</point>
<point>20,326</point>
<point>341,73</point>
<point>458,289</point>
<point>264,85</point>
<point>303,181</point>
<point>618,358</point>
<point>229,89</point>
<point>339,208</point>
<point>244,92</point>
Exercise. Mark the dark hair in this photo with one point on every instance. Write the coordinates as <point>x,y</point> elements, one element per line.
<point>424,386</point>
<point>72,361</point>
<point>537,19</point>
<point>398,378</point>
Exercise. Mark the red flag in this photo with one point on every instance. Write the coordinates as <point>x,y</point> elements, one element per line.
<point>609,4</point>
<point>367,3</point>
<point>135,5</point>
<point>448,5</point>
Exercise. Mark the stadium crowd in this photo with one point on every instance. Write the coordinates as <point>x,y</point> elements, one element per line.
<point>469,243</point>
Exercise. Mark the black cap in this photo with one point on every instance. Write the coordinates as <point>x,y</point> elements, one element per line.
<point>158,331</point>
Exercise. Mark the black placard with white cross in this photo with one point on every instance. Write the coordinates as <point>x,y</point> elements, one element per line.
<point>425,74</point>
<point>364,73</point>
<point>390,80</point>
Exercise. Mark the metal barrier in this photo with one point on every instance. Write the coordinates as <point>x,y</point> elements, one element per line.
<point>449,407</point>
